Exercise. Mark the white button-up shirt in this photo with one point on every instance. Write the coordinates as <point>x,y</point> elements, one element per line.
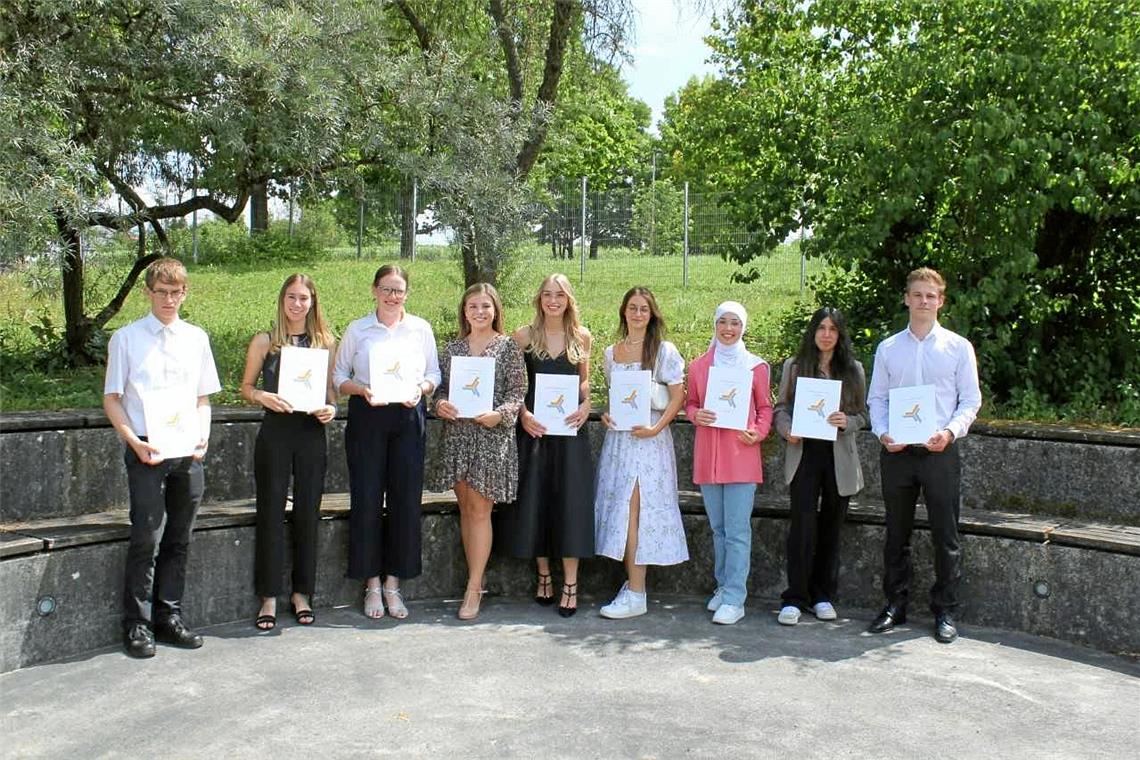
<point>147,355</point>
<point>943,359</point>
<point>413,332</point>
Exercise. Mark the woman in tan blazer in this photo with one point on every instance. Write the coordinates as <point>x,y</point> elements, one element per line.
<point>820,473</point>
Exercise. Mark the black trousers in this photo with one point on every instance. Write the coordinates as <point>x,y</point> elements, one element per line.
<point>937,476</point>
<point>813,536</point>
<point>164,500</point>
<point>384,446</point>
<point>290,447</point>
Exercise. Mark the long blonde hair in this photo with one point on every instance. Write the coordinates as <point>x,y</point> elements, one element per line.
<point>575,334</point>
<point>320,336</point>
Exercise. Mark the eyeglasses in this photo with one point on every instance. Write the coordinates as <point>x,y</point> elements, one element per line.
<point>390,292</point>
<point>168,295</point>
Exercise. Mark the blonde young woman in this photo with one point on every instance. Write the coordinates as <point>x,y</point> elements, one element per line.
<point>554,514</point>
<point>638,517</point>
<point>479,458</point>
<point>290,446</point>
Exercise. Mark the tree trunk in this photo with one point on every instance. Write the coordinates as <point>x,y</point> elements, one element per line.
<point>470,254</point>
<point>407,220</point>
<point>258,208</point>
<point>77,328</point>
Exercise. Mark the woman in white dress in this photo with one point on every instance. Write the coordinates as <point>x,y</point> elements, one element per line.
<point>637,516</point>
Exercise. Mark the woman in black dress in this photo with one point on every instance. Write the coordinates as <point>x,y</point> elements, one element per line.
<point>290,446</point>
<point>554,514</point>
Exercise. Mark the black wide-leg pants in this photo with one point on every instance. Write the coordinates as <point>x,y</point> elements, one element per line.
<point>290,447</point>
<point>938,476</point>
<point>384,446</point>
<point>164,500</point>
<point>813,534</point>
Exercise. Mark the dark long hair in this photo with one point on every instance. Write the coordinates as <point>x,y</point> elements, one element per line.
<point>842,361</point>
<point>654,331</point>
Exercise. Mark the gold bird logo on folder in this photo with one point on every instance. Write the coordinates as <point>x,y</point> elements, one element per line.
<point>394,371</point>
<point>913,414</point>
<point>557,403</point>
<point>174,421</point>
<point>729,397</point>
<point>631,399</point>
<point>817,407</point>
<point>305,379</point>
<point>473,386</point>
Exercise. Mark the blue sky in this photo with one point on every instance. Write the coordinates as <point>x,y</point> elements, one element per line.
<point>668,49</point>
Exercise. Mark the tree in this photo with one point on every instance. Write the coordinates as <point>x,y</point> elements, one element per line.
<point>995,141</point>
<point>510,93</point>
<point>598,132</point>
<point>659,218</point>
<point>219,96</point>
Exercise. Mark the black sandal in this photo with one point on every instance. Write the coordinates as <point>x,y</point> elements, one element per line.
<point>569,590</point>
<point>265,622</point>
<point>303,617</point>
<point>544,584</point>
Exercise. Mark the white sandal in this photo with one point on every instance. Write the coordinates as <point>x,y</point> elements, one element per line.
<point>395,601</point>
<point>373,606</point>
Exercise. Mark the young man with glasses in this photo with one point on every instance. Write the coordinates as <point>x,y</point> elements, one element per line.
<point>159,357</point>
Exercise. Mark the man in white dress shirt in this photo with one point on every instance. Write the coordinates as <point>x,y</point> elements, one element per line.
<point>159,364</point>
<point>924,354</point>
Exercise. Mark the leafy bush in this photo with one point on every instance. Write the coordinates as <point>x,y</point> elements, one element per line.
<point>222,243</point>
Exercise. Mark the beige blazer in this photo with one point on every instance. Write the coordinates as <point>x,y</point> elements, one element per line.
<point>848,472</point>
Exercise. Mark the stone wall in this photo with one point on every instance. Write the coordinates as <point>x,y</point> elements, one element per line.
<point>84,583</point>
<point>57,465</point>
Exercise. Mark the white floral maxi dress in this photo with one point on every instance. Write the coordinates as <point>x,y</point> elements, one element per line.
<point>650,462</point>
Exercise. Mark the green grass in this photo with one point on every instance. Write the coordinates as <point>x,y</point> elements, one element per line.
<point>231,302</point>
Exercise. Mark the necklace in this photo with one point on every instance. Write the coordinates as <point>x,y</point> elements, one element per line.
<point>630,342</point>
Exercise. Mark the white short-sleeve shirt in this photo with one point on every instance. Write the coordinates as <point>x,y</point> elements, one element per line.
<point>147,355</point>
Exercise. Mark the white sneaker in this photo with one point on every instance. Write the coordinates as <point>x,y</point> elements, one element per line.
<point>727,614</point>
<point>716,600</point>
<point>789,615</point>
<point>626,604</point>
<point>824,611</point>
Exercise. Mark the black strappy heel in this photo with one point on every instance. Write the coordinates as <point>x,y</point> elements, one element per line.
<point>544,584</point>
<point>569,590</point>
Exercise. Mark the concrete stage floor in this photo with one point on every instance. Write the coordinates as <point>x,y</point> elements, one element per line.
<point>522,682</point>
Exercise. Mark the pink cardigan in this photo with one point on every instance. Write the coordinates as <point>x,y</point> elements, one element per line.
<point>718,454</point>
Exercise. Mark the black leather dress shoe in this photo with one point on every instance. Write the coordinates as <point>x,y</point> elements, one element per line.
<point>138,641</point>
<point>175,632</point>
<point>944,629</point>
<point>887,619</point>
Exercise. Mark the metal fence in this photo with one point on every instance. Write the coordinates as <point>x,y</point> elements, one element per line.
<point>658,233</point>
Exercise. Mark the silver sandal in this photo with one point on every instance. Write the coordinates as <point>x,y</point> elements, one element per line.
<point>373,606</point>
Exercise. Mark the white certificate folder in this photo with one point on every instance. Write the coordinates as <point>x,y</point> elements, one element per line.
<point>303,376</point>
<point>629,398</point>
<point>394,371</point>
<point>471,385</point>
<point>911,409</point>
<point>816,399</point>
<point>172,424</point>
<point>728,394</point>
<point>555,397</point>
